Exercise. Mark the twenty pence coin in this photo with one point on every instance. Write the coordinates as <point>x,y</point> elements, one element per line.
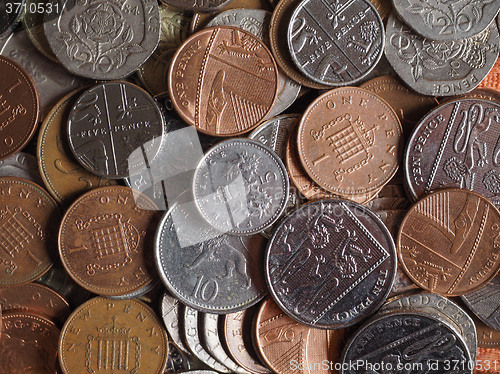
<point>448,242</point>
<point>113,335</point>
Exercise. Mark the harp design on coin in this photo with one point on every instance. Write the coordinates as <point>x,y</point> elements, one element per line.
<point>113,348</point>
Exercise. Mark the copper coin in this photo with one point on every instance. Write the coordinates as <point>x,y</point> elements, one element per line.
<point>492,79</point>
<point>278,34</point>
<point>449,242</point>
<point>112,336</point>
<point>237,335</point>
<point>64,178</point>
<point>28,344</point>
<point>19,107</point>
<point>486,336</point>
<point>349,141</point>
<point>35,298</point>
<point>209,79</point>
<point>484,93</point>
<point>286,345</point>
<point>29,218</point>
<point>456,145</point>
<point>198,5</point>
<point>106,241</point>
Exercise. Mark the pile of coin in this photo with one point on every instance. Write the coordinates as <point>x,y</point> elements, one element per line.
<point>249,186</point>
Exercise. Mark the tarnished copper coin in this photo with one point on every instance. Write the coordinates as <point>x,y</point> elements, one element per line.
<point>29,218</point>
<point>210,76</point>
<point>486,336</point>
<point>349,141</point>
<point>106,241</point>
<point>113,336</point>
<point>28,344</point>
<point>330,264</point>
<point>35,298</point>
<point>64,178</point>
<point>19,107</point>
<point>198,5</point>
<point>456,145</point>
<point>449,242</point>
<point>287,345</point>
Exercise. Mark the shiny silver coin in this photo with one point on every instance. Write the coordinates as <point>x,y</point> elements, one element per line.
<point>440,68</point>
<point>103,40</point>
<point>206,269</point>
<point>408,342</point>
<point>51,80</point>
<point>330,264</point>
<point>171,311</point>
<point>210,338</point>
<point>240,187</point>
<point>22,165</point>
<point>192,338</point>
<point>335,43</point>
<point>111,128</point>
<point>485,303</point>
<point>439,306</point>
<point>257,22</point>
<point>445,21</point>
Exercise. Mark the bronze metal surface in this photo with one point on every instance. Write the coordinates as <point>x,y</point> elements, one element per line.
<point>286,344</point>
<point>36,298</point>
<point>448,242</point>
<point>209,79</point>
<point>29,218</point>
<point>28,344</point>
<point>19,107</point>
<point>350,141</point>
<point>111,336</point>
<point>106,240</point>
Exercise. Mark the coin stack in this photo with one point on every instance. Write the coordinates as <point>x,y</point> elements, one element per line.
<point>249,186</point>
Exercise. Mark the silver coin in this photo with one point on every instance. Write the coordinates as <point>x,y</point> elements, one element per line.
<point>257,22</point>
<point>443,306</point>
<point>485,303</point>
<point>177,360</point>
<point>111,128</point>
<point>170,312</point>
<point>407,342</point>
<point>335,43</point>
<point>445,21</point>
<point>211,341</point>
<point>192,337</point>
<point>241,187</point>
<point>51,80</point>
<point>103,40</point>
<point>440,68</point>
<point>140,292</point>
<point>10,12</point>
<point>21,165</point>
<point>208,270</point>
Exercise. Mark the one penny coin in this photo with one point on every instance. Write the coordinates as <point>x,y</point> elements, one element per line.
<point>448,242</point>
<point>208,6</point>
<point>335,44</point>
<point>111,336</point>
<point>36,298</point>
<point>29,218</point>
<point>19,107</point>
<point>112,126</point>
<point>286,344</point>
<point>350,141</point>
<point>63,176</point>
<point>209,79</point>
<point>330,264</point>
<point>106,240</point>
<point>104,40</point>
<point>456,145</point>
<point>28,344</point>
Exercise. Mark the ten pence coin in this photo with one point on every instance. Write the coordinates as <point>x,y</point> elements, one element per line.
<point>106,241</point>
<point>28,344</point>
<point>29,219</point>
<point>19,107</point>
<point>103,40</point>
<point>448,242</point>
<point>111,336</point>
<point>350,141</point>
<point>209,79</point>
